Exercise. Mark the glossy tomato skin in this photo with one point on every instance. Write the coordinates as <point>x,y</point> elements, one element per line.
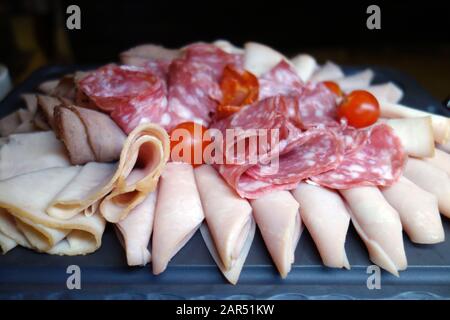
<point>333,87</point>
<point>188,136</point>
<point>360,108</point>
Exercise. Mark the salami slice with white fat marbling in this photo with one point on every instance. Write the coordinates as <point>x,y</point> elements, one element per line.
<point>131,95</point>
<point>379,161</point>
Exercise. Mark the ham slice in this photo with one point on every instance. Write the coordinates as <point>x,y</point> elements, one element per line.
<point>141,54</point>
<point>329,71</point>
<point>440,124</point>
<point>46,106</point>
<point>135,231</point>
<point>379,226</point>
<point>278,219</point>
<point>441,160</point>
<point>327,219</point>
<point>9,123</point>
<point>305,65</point>
<point>6,243</point>
<point>386,92</point>
<point>88,135</point>
<point>258,58</point>
<point>27,152</point>
<point>27,196</point>
<point>418,211</point>
<point>143,157</point>
<point>355,81</point>
<point>431,179</point>
<point>228,216</point>
<point>178,213</point>
<point>8,227</point>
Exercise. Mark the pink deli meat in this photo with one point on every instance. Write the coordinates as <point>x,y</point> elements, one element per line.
<point>131,95</point>
<point>300,153</point>
<point>379,161</point>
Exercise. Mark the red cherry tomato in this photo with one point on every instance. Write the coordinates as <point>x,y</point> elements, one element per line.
<point>187,143</point>
<point>333,87</point>
<point>360,108</point>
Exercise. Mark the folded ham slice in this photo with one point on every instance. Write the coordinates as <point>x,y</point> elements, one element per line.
<point>178,213</point>
<point>278,219</point>
<point>6,243</point>
<point>8,227</point>
<point>27,196</point>
<point>327,219</point>
<point>46,106</point>
<point>431,179</point>
<point>88,135</point>
<point>379,226</point>
<point>230,225</point>
<point>143,157</point>
<point>135,231</point>
<point>27,152</point>
<point>441,160</point>
<point>418,211</point>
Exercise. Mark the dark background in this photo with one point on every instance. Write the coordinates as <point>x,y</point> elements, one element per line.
<point>415,37</point>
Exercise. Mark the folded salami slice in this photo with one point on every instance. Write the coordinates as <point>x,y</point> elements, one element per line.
<point>379,161</point>
<point>88,135</point>
<point>131,95</point>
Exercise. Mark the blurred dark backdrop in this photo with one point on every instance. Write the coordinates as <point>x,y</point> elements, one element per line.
<point>414,37</point>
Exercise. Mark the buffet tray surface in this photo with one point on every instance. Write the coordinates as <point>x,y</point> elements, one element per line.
<point>192,273</point>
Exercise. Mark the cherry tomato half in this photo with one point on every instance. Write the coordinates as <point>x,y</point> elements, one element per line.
<point>187,143</point>
<point>360,108</point>
<point>333,87</point>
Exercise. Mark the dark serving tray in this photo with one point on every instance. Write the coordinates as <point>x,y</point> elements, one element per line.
<point>192,274</point>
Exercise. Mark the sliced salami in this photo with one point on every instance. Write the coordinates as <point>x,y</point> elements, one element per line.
<point>131,95</point>
<point>280,80</point>
<point>379,161</point>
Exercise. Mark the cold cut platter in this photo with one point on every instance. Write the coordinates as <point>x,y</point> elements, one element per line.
<point>175,172</point>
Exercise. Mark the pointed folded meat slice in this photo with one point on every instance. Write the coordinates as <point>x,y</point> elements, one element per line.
<point>47,105</point>
<point>232,275</point>
<point>27,196</point>
<point>88,135</point>
<point>355,81</point>
<point>9,123</point>
<point>228,216</point>
<point>143,157</point>
<point>329,71</point>
<point>40,237</point>
<point>178,213</point>
<point>441,160</point>
<point>27,152</point>
<point>6,243</point>
<point>135,231</point>
<point>431,179</point>
<point>31,103</point>
<point>418,210</point>
<point>83,191</point>
<point>278,219</point>
<point>379,226</point>
<point>327,219</point>
<point>9,228</point>
<point>48,86</point>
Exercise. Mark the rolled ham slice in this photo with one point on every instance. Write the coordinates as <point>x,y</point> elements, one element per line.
<point>416,135</point>
<point>278,219</point>
<point>259,58</point>
<point>389,92</point>
<point>305,65</point>
<point>379,226</point>
<point>441,160</point>
<point>135,231</point>
<point>327,219</point>
<point>441,124</point>
<point>88,135</point>
<point>418,210</point>
<point>178,213</point>
<point>355,81</point>
<point>143,157</point>
<point>431,179</point>
<point>329,71</point>
<point>27,152</point>
<point>230,227</point>
<point>27,196</point>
